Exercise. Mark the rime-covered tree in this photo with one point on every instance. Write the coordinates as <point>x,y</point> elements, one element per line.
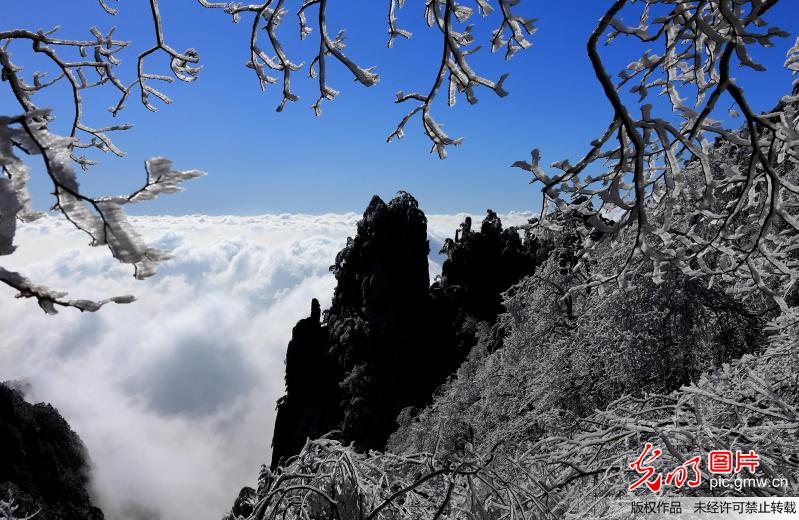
<point>682,240</point>
<point>662,170</point>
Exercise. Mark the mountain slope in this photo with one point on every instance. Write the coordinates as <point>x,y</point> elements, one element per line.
<point>44,465</point>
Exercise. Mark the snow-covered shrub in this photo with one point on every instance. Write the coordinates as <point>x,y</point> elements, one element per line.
<point>748,404</point>
<point>567,354</point>
<point>10,509</point>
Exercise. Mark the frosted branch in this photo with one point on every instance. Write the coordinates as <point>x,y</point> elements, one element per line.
<point>725,210</point>
<point>454,66</point>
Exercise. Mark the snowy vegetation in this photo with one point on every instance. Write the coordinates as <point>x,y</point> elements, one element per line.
<point>750,403</point>
<point>9,509</point>
<point>664,311</point>
<point>674,323</point>
<point>547,425</point>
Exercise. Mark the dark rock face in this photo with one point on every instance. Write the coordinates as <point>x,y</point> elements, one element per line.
<point>310,408</point>
<point>379,321</point>
<point>389,339</point>
<point>43,463</point>
<point>355,372</point>
<point>482,264</point>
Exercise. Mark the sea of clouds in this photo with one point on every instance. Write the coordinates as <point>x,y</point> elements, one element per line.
<point>174,395</point>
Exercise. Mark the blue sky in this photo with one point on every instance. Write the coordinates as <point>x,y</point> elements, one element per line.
<point>261,161</point>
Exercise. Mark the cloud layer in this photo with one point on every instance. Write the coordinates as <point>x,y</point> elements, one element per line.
<point>174,394</point>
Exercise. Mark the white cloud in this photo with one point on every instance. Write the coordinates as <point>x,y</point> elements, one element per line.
<point>174,394</point>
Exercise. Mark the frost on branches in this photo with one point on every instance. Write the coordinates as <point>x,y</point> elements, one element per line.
<point>448,17</point>
<point>665,314</point>
<point>80,65</point>
<point>749,404</point>
<point>328,480</point>
<point>714,217</point>
<point>83,64</point>
<point>10,509</point>
<point>508,439</point>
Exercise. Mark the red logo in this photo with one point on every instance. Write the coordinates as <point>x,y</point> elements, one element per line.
<point>720,462</point>
<point>689,473</point>
<point>643,467</point>
<point>679,475</point>
<point>749,461</point>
